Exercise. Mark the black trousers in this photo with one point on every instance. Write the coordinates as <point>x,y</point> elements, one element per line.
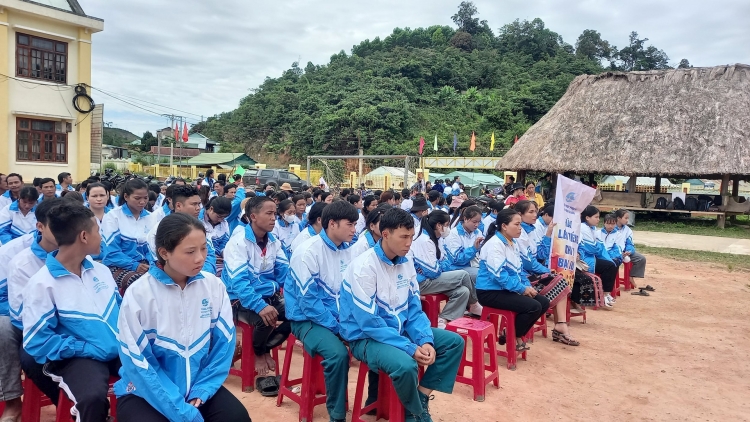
<point>86,383</point>
<point>527,309</point>
<point>265,338</point>
<point>35,372</point>
<point>608,272</point>
<point>222,407</point>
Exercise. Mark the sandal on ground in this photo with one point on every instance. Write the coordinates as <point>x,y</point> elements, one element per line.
<point>522,347</point>
<point>640,292</point>
<point>648,287</point>
<point>563,338</point>
<point>267,386</point>
<point>501,339</point>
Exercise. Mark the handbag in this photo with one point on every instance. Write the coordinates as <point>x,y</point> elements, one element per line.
<point>553,287</point>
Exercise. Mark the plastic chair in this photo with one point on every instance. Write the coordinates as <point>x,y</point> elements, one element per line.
<point>64,404</point>
<point>540,325</point>
<point>623,280</point>
<point>431,306</point>
<point>505,320</point>
<point>576,315</point>
<point>388,406</point>
<point>247,371</point>
<point>33,402</point>
<point>312,383</point>
<point>483,340</point>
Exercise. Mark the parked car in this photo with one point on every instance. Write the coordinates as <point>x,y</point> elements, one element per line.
<point>273,177</point>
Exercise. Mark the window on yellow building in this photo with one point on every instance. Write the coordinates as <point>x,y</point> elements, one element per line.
<point>40,58</point>
<point>37,140</point>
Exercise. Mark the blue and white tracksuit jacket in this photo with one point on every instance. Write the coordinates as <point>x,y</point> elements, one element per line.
<point>424,256</point>
<point>610,240</point>
<point>219,233</point>
<point>20,269</point>
<point>6,199</point>
<point>65,316</point>
<point>544,244</point>
<point>209,265</point>
<point>160,212</point>
<point>7,252</point>
<point>315,273</point>
<point>59,189</point>
<point>126,238</point>
<point>251,274</point>
<point>417,225</point>
<point>380,301</point>
<point>234,217</point>
<point>362,244</point>
<point>486,221</point>
<point>459,247</point>
<point>528,245</point>
<point>14,224</point>
<point>590,247</point>
<point>625,239</point>
<point>305,233</point>
<point>98,258</point>
<point>176,344</point>
<point>286,233</point>
<point>500,266</point>
<point>360,227</point>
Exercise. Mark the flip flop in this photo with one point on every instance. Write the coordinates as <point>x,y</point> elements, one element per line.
<point>640,292</point>
<point>648,287</point>
<point>267,386</point>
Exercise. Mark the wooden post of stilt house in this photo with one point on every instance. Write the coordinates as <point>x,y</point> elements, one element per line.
<point>657,185</point>
<point>724,192</point>
<point>735,195</point>
<point>521,177</point>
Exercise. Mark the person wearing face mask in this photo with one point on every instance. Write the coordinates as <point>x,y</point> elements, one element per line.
<point>287,226</point>
<point>461,247</point>
<point>433,270</point>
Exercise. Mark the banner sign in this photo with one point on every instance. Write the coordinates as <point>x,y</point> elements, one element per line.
<point>571,198</point>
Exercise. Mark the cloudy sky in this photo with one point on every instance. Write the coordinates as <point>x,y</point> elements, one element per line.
<point>202,57</point>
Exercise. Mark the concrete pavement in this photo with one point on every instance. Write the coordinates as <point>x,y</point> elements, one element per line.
<point>693,242</point>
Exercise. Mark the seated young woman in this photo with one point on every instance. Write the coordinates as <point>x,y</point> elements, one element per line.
<point>462,244</point>
<point>596,260</point>
<point>433,274</point>
<point>625,242</point>
<point>501,283</point>
<point>555,288</point>
<point>194,310</point>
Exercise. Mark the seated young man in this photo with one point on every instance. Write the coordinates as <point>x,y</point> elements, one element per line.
<point>11,330</point>
<point>70,314</point>
<point>18,218</point>
<point>381,318</point>
<point>255,268</point>
<point>311,297</point>
<point>609,235</point>
<point>214,219</point>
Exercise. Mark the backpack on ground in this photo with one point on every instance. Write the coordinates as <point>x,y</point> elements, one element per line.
<point>661,203</point>
<point>691,204</point>
<point>679,204</point>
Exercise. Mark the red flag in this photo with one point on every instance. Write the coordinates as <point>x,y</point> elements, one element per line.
<point>176,132</point>
<point>185,133</point>
<point>516,141</point>
<point>473,142</point>
<point>421,144</point>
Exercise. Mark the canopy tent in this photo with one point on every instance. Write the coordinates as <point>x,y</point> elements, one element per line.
<point>474,182</point>
<point>224,159</point>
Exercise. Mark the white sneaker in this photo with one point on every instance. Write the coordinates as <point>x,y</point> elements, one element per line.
<point>608,302</point>
<point>442,323</point>
<point>475,309</point>
<point>612,299</point>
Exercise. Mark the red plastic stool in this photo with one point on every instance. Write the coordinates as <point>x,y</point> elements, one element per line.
<point>246,371</point>
<point>64,405</point>
<point>388,406</point>
<point>505,320</point>
<point>431,307</point>
<point>540,325</point>
<point>623,280</point>
<point>483,340</point>
<point>572,315</point>
<point>33,402</point>
<point>313,385</point>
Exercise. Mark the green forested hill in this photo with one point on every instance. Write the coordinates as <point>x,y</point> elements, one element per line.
<point>422,82</point>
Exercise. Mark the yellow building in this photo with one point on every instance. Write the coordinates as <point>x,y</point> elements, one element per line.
<point>45,51</point>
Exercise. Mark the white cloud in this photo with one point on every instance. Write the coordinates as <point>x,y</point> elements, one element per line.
<point>203,57</point>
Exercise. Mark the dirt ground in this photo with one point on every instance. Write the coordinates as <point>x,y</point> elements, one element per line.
<point>681,354</point>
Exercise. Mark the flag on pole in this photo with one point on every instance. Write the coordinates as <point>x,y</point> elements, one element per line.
<point>176,132</point>
<point>185,133</point>
<point>516,140</point>
<point>240,170</point>
<point>455,142</point>
<point>435,146</point>
<point>421,144</point>
<point>492,143</point>
<point>473,142</point>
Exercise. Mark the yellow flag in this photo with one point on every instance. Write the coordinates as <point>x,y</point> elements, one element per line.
<point>492,144</point>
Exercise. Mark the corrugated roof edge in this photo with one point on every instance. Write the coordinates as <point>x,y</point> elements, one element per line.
<point>77,10</point>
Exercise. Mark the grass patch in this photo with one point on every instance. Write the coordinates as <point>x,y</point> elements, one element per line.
<point>731,262</point>
<point>696,226</point>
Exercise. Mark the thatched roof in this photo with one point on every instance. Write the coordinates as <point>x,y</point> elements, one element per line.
<point>668,122</point>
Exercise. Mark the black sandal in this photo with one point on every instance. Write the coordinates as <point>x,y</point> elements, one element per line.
<point>267,386</point>
<point>522,347</point>
<point>648,287</point>
<point>640,292</point>
<point>563,338</point>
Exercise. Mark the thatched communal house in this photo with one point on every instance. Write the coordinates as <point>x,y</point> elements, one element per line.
<point>677,122</point>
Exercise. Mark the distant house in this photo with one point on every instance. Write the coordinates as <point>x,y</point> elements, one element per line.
<point>225,160</point>
<point>201,142</point>
<point>111,152</point>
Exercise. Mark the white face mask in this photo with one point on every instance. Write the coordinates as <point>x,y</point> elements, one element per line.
<point>289,218</point>
<point>446,232</point>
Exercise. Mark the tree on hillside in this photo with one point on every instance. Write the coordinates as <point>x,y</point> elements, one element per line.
<point>591,46</point>
<point>148,140</point>
<point>529,38</point>
<point>684,64</point>
<point>637,57</point>
<point>465,19</point>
